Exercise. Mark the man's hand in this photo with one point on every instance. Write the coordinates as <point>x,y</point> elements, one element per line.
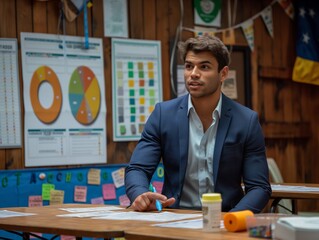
<point>146,201</point>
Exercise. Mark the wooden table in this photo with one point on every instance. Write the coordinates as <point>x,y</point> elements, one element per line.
<point>47,221</point>
<point>294,195</point>
<point>160,233</point>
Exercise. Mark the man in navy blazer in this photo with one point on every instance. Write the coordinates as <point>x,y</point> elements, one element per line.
<point>206,141</point>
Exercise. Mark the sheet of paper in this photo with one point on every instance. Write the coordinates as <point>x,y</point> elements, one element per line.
<point>148,216</point>
<point>294,188</point>
<point>91,209</point>
<point>191,224</point>
<point>6,214</point>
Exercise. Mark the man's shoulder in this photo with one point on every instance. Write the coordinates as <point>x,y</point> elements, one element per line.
<point>182,100</point>
<point>236,107</point>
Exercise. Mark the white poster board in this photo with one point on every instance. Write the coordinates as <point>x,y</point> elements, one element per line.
<point>64,99</point>
<point>10,110</point>
<point>137,85</point>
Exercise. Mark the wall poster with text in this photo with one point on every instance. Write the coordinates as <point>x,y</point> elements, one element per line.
<point>65,111</point>
<point>137,85</point>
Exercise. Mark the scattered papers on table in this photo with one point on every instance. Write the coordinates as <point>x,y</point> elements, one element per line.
<point>7,214</point>
<point>278,187</point>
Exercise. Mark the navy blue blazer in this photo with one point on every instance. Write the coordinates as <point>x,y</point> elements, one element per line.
<point>239,155</point>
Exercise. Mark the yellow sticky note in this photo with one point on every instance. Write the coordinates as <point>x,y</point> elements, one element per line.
<point>94,176</point>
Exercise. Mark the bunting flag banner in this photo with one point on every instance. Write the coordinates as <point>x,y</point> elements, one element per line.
<point>198,31</point>
<point>248,29</point>
<point>267,18</point>
<point>228,36</point>
<point>247,26</point>
<point>306,68</point>
<point>288,7</point>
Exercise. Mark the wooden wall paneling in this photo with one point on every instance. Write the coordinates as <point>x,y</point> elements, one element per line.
<point>24,18</point>
<point>8,19</point>
<point>111,157</point>
<point>70,27</point>
<point>40,17</point>
<point>283,31</point>
<point>162,34</point>
<point>24,24</point>
<point>263,43</point>
<point>149,23</point>
<point>97,19</point>
<point>188,18</point>
<point>10,158</point>
<point>271,90</point>
<point>53,14</point>
<point>2,159</point>
<point>136,23</point>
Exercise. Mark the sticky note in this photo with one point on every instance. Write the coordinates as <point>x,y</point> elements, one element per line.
<point>108,191</point>
<point>118,177</point>
<point>35,201</point>
<point>80,193</point>
<point>46,188</point>
<point>94,176</point>
<point>56,197</point>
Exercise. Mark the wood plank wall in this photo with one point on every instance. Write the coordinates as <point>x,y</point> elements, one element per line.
<point>288,111</point>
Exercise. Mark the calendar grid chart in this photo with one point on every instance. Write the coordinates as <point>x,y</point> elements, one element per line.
<point>137,85</point>
<point>10,109</point>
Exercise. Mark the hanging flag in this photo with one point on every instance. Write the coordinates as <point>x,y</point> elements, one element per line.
<point>267,17</point>
<point>228,36</point>
<point>248,28</point>
<point>199,31</point>
<point>306,68</point>
<point>207,12</point>
<point>288,7</point>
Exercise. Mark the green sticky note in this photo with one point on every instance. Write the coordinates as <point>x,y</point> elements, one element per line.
<point>46,191</point>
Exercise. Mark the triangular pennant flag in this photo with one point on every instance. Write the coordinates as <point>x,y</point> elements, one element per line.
<point>200,31</point>
<point>248,29</point>
<point>229,36</point>
<point>288,7</point>
<point>267,17</point>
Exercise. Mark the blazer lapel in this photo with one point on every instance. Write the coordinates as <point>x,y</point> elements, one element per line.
<point>223,126</point>
<point>183,126</point>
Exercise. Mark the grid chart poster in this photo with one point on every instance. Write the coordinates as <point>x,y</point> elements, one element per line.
<point>65,112</point>
<point>10,110</point>
<point>137,85</point>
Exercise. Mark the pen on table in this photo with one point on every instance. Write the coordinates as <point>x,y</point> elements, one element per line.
<point>157,202</point>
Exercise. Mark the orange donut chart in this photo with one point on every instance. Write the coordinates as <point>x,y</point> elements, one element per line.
<point>41,75</point>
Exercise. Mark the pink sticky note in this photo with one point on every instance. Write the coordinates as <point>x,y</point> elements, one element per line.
<point>108,191</point>
<point>158,185</point>
<point>35,201</point>
<point>124,201</point>
<point>98,200</point>
<point>80,193</point>
<point>65,237</point>
<point>37,235</point>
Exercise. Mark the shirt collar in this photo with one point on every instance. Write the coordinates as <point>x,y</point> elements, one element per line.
<point>217,109</point>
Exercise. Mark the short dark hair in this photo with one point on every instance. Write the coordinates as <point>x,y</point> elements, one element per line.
<point>206,43</point>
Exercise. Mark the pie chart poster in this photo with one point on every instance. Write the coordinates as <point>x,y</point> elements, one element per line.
<point>64,100</point>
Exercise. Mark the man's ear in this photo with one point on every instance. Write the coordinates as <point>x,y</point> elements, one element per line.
<point>224,73</point>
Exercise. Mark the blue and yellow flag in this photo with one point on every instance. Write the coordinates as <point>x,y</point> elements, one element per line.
<point>306,68</point>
